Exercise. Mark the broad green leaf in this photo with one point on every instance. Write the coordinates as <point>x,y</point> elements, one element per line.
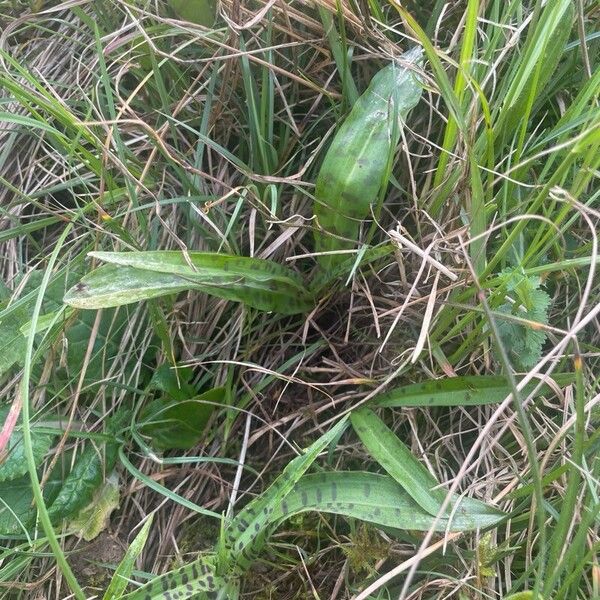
<point>106,350</point>
<point>120,579</point>
<point>186,582</point>
<point>385,447</point>
<point>179,423</point>
<point>255,282</point>
<point>17,508</point>
<point>44,322</point>
<point>356,168</point>
<point>15,325</point>
<point>469,390</point>
<point>380,500</point>
<point>12,341</point>
<point>77,334</point>
<point>14,464</point>
<point>84,479</point>
<point>93,519</point>
<point>201,12</point>
<point>246,532</point>
<point>203,267</point>
<point>523,596</point>
<point>110,286</point>
<point>174,381</point>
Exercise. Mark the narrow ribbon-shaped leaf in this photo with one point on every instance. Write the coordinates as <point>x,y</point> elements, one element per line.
<point>380,500</point>
<point>119,581</point>
<point>470,390</point>
<point>385,447</point>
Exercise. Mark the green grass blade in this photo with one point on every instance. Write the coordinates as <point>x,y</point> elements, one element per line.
<point>340,55</point>
<point>568,506</point>
<point>119,581</point>
<point>27,440</point>
<point>468,390</point>
<point>542,54</point>
<point>162,490</point>
<point>460,86</point>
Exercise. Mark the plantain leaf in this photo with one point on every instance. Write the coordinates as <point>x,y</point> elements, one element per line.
<point>105,352</point>
<point>120,579</point>
<point>17,508</point>
<point>84,479</point>
<point>16,511</point>
<point>380,500</point>
<point>385,447</point>
<point>14,463</point>
<point>135,276</point>
<point>468,390</point>
<point>179,423</point>
<point>174,381</point>
<point>15,328</point>
<point>93,519</point>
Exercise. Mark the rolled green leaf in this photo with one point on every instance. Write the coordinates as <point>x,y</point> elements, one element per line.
<point>357,163</point>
